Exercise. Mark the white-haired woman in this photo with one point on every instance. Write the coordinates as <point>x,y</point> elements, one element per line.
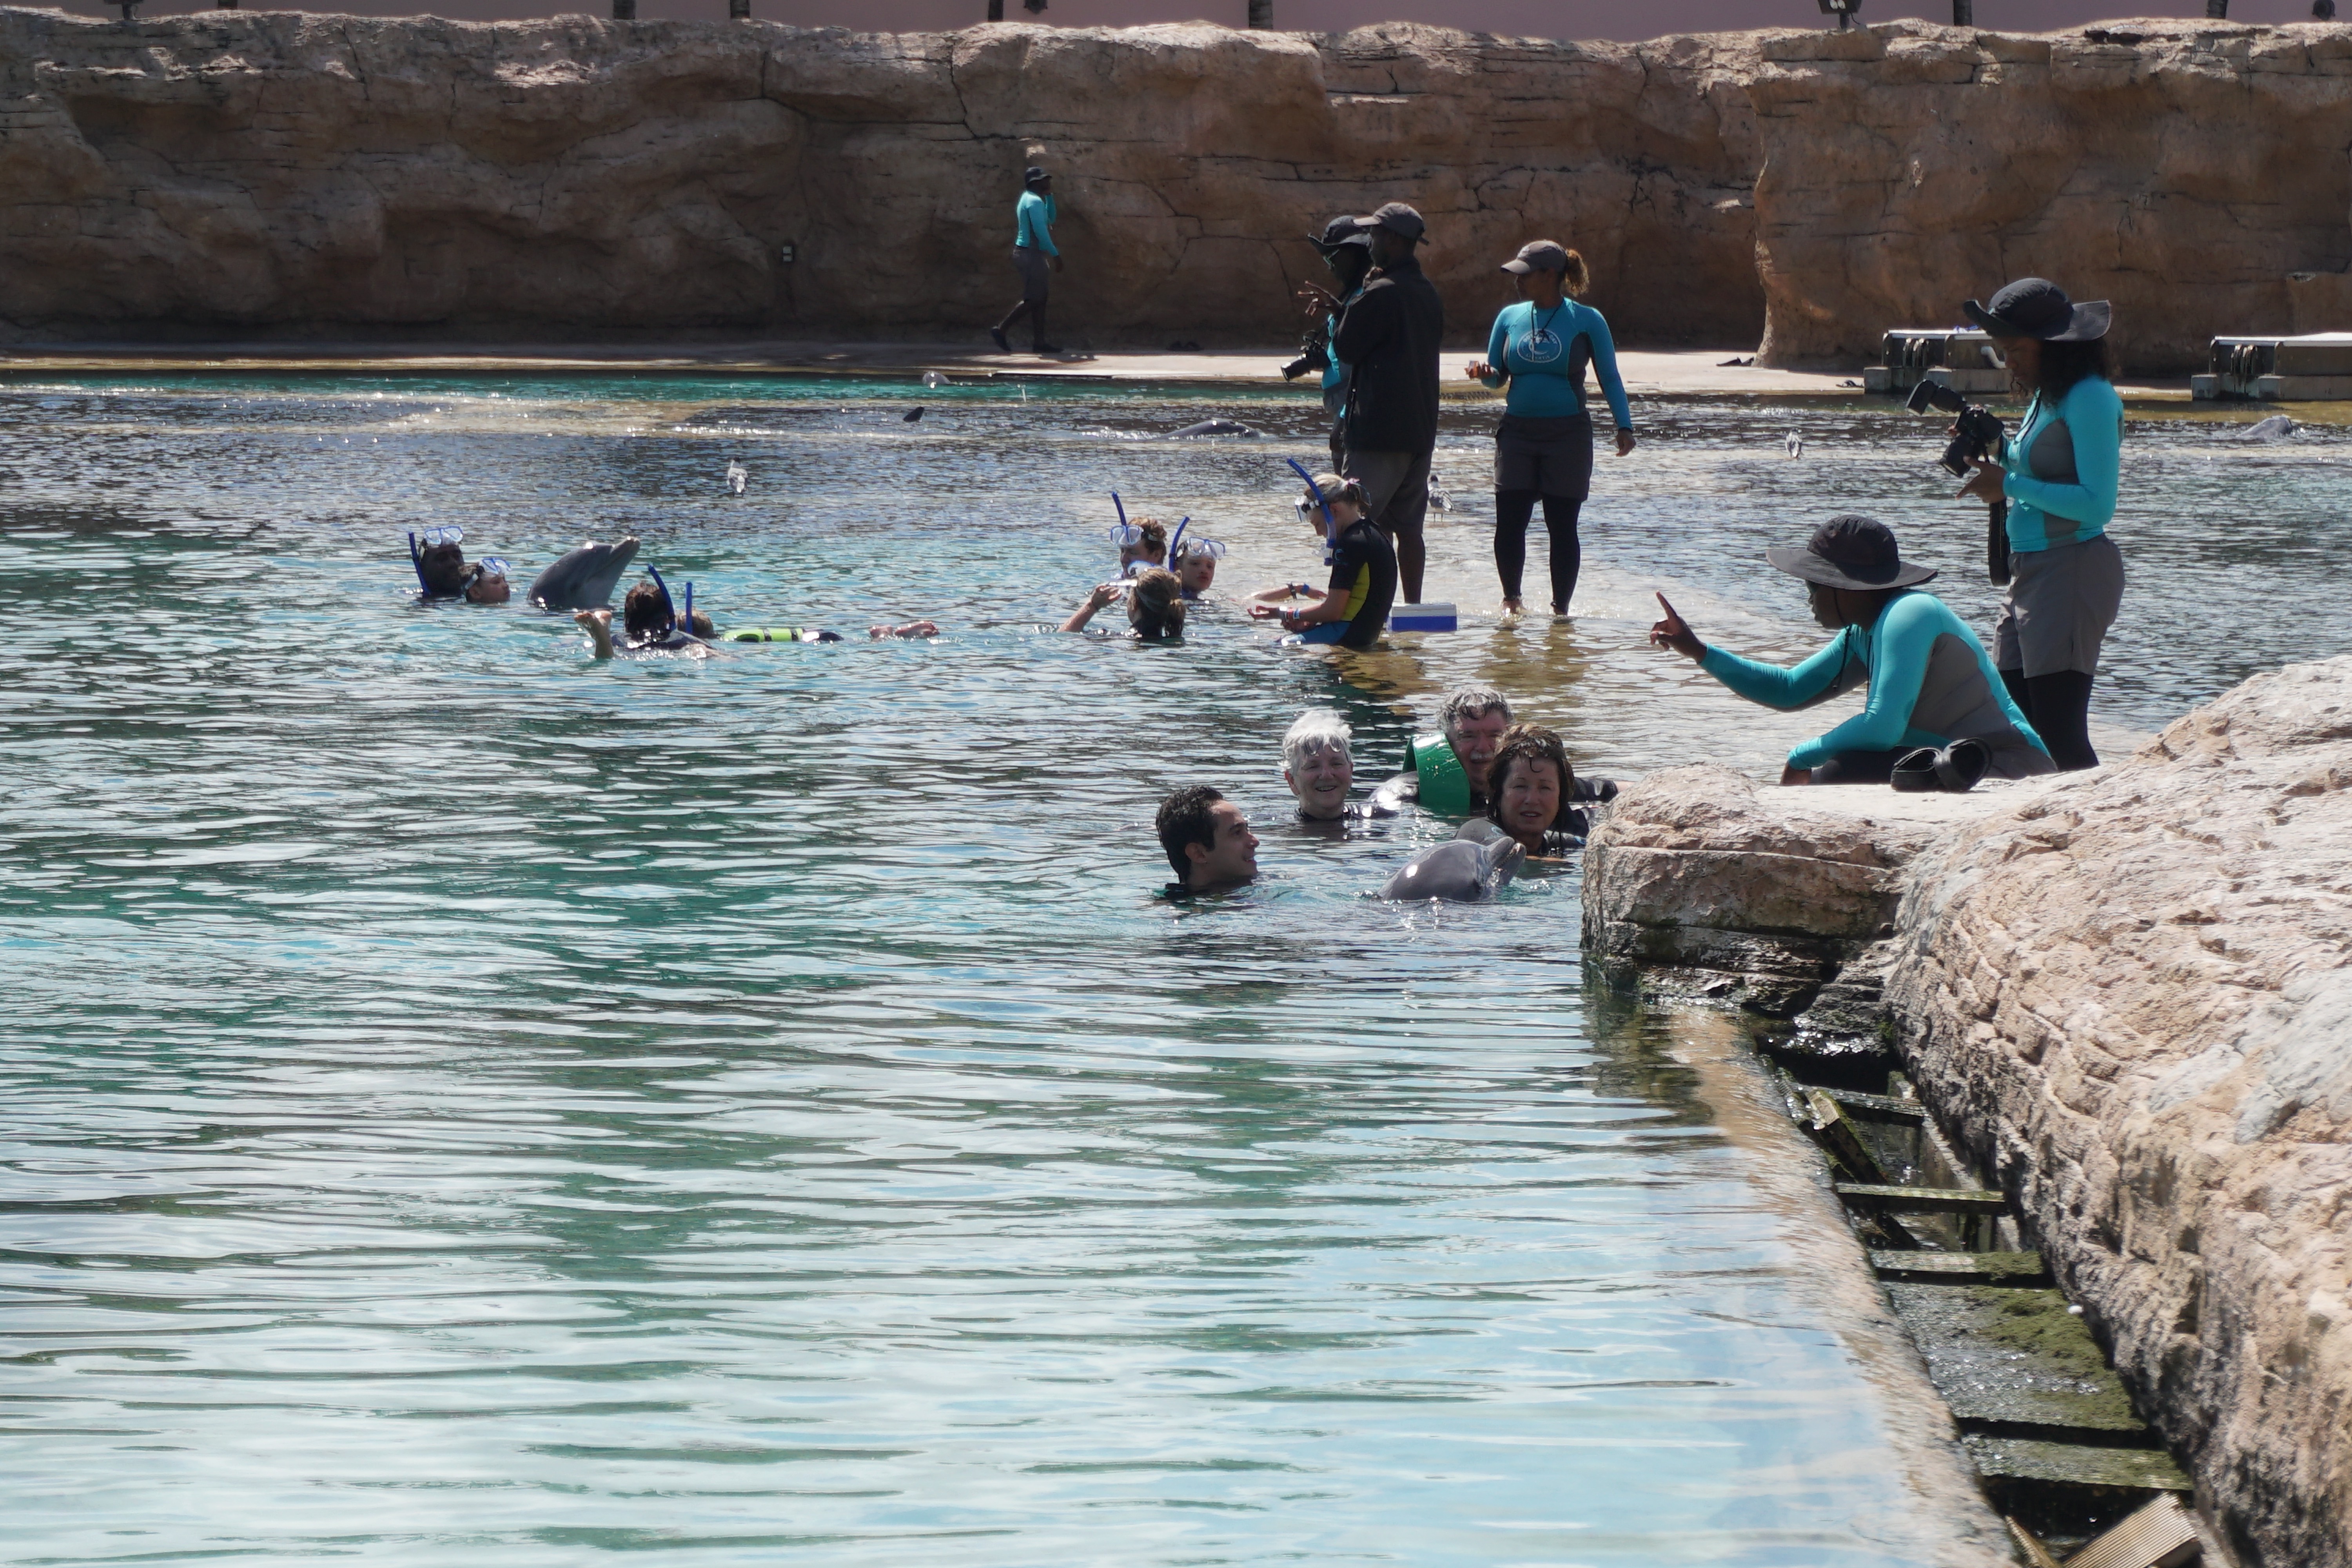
<point>1320,766</point>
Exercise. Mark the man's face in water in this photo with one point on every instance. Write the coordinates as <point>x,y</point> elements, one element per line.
<point>1321,782</point>
<point>1474,741</point>
<point>1232,855</point>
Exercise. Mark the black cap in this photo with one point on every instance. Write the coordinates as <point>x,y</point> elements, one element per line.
<point>1397,218</point>
<point>1032,174</point>
<point>1849,551</point>
<point>1339,231</point>
<point>2037,307</point>
<point>1538,256</point>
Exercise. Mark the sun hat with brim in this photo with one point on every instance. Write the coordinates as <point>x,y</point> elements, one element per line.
<point>1538,256</point>
<point>1340,232</point>
<point>2037,307</point>
<point>1849,551</point>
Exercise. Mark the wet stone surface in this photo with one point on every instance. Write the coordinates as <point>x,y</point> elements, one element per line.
<point>2017,1357</point>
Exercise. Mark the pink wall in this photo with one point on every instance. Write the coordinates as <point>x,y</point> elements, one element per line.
<point>1545,18</point>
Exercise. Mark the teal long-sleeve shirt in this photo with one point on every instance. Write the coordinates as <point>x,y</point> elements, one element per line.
<point>1543,353</point>
<point>1032,222</point>
<point>2063,467</point>
<point>1930,684</point>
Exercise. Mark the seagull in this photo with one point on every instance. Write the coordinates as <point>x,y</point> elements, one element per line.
<point>1796,445</point>
<point>738,476</point>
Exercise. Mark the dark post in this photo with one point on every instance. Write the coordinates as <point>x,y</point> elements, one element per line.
<point>996,10</point>
<point>1964,13</point>
<point>2218,9</point>
<point>624,10</point>
<point>1261,15</point>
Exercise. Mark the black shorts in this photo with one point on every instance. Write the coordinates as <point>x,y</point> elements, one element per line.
<point>1550,457</point>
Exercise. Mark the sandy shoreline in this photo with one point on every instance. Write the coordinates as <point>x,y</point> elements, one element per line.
<point>1677,373</point>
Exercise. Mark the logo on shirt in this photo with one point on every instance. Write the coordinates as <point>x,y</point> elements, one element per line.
<point>1541,346</point>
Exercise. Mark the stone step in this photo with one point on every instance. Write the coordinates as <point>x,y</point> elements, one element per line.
<point>1878,1106</point>
<point>1963,1268</point>
<point>2015,1361</point>
<point>2074,1464</point>
<point>1922,1200</point>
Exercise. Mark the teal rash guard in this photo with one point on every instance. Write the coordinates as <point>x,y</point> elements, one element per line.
<point>2063,467</point>
<point>1032,222</point>
<point>1543,356</point>
<point>1930,684</point>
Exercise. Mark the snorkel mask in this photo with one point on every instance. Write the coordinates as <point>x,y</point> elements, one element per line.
<point>1330,528</point>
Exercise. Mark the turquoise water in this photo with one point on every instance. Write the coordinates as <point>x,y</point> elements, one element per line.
<point>465,1103</point>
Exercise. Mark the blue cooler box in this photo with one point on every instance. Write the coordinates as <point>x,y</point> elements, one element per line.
<point>1431,617</point>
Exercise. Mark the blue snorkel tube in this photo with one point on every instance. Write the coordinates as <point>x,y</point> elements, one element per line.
<point>1174,539</point>
<point>1122,510</point>
<point>416,565</point>
<point>669,606</point>
<point>1330,527</point>
<point>690,609</point>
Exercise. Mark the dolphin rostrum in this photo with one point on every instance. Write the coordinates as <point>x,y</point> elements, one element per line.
<point>583,579</point>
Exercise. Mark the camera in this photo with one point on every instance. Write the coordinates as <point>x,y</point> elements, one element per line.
<point>1979,434</point>
<point>1314,352</point>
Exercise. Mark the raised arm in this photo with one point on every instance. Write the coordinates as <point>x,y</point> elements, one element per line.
<point>1104,593</point>
<point>1775,687</point>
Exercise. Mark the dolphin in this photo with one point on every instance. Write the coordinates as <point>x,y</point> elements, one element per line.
<point>2269,429</point>
<point>1217,427</point>
<point>583,579</point>
<point>1463,870</point>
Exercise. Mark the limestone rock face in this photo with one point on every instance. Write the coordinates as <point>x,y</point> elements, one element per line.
<point>2133,995</point>
<point>246,173</point>
<point>1762,896</point>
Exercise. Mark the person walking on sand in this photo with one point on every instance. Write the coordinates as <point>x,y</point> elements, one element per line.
<point>1390,335</point>
<point>1033,254</point>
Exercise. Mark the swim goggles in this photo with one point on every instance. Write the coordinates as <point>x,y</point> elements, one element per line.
<point>1201,549</point>
<point>491,566</point>
<point>1126,535</point>
<point>448,533</point>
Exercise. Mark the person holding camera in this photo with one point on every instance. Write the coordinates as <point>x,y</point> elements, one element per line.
<point>1543,448</point>
<point>2059,476</point>
<point>1348,254</point>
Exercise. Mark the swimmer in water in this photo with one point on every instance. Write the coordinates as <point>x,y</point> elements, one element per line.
<point>1141,544</point>
<point>909,630</point>
<point>649,624</point>
<point>1353,609</point>
<point>1533,792</point>
<point>1207,840</point>
<point>1155,606</point>
<point>1196,565</point>
<point>444,572</point>
<point>1447,771</point>
<point>1320,767</point>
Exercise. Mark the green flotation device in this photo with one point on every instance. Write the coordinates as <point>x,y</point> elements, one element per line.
<point>1444,788</point>
<point>770,633</point>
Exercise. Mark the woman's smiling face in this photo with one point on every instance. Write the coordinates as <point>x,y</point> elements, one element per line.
<point>1528,802</point>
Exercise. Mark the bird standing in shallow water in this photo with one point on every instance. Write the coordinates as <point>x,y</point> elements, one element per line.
<point>738,476</point>
<point>1796,445</point>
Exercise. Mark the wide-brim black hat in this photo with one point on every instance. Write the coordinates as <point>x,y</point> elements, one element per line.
<point>2037,307</point>
<point>1849,551</point>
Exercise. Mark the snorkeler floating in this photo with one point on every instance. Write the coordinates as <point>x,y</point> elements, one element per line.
<point>444,572</point>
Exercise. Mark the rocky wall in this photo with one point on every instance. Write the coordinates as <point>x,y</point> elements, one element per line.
<point>249,174</point>
<point>2129,994</point>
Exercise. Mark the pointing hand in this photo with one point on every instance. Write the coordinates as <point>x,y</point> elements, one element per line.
<point>1675,634</point>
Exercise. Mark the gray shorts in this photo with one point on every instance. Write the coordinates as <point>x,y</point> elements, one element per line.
<point>1035,266</point>
<point>2061,603</point>
<point>1396,487</point>
<point>1550,457</point>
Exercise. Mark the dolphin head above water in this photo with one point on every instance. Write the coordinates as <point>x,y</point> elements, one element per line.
<point>1465,871</point>
<point>583,578</point>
